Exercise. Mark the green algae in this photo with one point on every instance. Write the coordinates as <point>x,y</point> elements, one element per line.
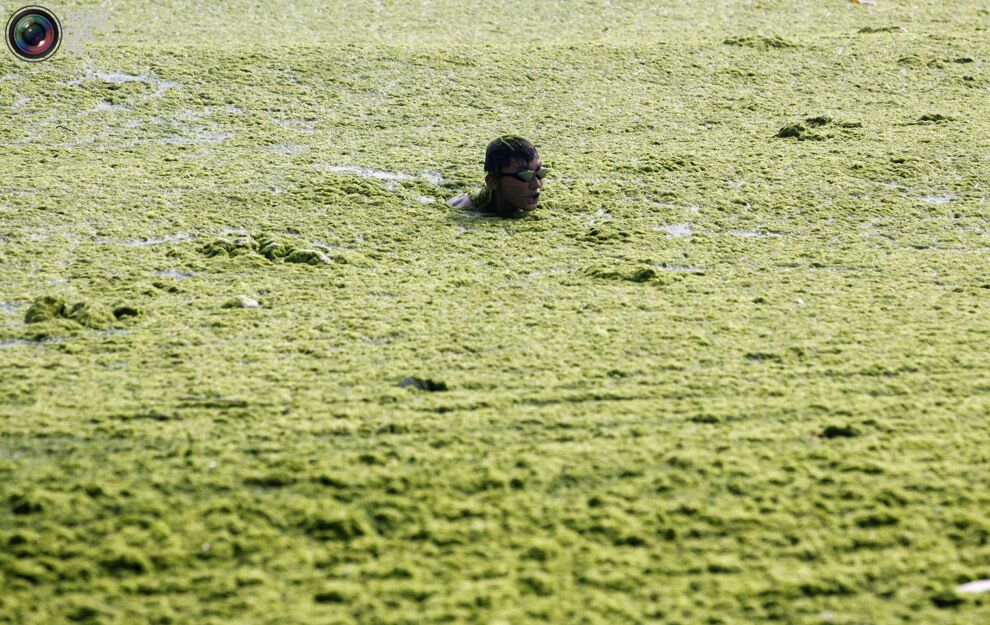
<point>91,315</point>
<point>759,42</point>
<point>263,246</point>
<point>618,441</point>
<point>44,309</point>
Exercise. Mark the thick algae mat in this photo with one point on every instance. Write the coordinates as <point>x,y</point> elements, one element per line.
<point>733,370</point>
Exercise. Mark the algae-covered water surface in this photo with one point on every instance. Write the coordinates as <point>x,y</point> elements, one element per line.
<point>733,369</point>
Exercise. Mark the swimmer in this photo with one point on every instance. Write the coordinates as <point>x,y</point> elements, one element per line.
<point>513,179</point>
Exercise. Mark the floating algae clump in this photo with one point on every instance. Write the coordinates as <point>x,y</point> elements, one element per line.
<point>759,42</point>
<point>631,273</point>
<point>261,245</point>
<point>49,308</point>
<point>310,257</point>
<point>225,246</point>
<point>275,249</point>
<point>90,315</point>
<point>802,130</point>
<point>44,309</point>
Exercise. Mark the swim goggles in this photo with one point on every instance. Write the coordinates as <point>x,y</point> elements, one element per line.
<point>527,174</point>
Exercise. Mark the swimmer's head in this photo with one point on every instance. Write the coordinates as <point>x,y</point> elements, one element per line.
<point>514,173</point>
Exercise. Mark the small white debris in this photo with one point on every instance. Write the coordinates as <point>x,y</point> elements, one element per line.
<point>246,302</point>
<point>213,464</point>
<point>975,587</point>
<point>206,547</point>
<point>799,300</point>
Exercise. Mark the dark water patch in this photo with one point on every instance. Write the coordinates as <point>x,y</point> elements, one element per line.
<point>338,592</point>
<point>423,384</point>
<point>218,403</point>
<point>123,312</point>
<point>151,414</point>
<point>839,431</point>
<point>946,599</point>
<point>876,519</point>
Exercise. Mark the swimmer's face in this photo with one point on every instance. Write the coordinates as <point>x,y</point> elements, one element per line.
<point>514,194</point>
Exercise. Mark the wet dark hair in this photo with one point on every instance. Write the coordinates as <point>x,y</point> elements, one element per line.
<point>506,150</point>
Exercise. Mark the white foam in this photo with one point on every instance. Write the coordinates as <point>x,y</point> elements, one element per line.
<point>286,148</point>
<point>676,230</point>
<point>379,174</point>
<point>175,238</point>
<point>679,268</point>
<point>104,106</point>
<point>207,136</point>
<point>119,78</point>
<point>751,233</point>
<point>15,343</point>
<point>173,273</point>
<point>368,173</point>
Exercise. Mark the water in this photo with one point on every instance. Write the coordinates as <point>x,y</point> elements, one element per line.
<point>676,230</point>
<point>173,273</point>
<point>380,174</point>
<point>175,238</point>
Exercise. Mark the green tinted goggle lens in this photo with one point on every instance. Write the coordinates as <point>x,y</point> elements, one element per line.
<point>528,175</point>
